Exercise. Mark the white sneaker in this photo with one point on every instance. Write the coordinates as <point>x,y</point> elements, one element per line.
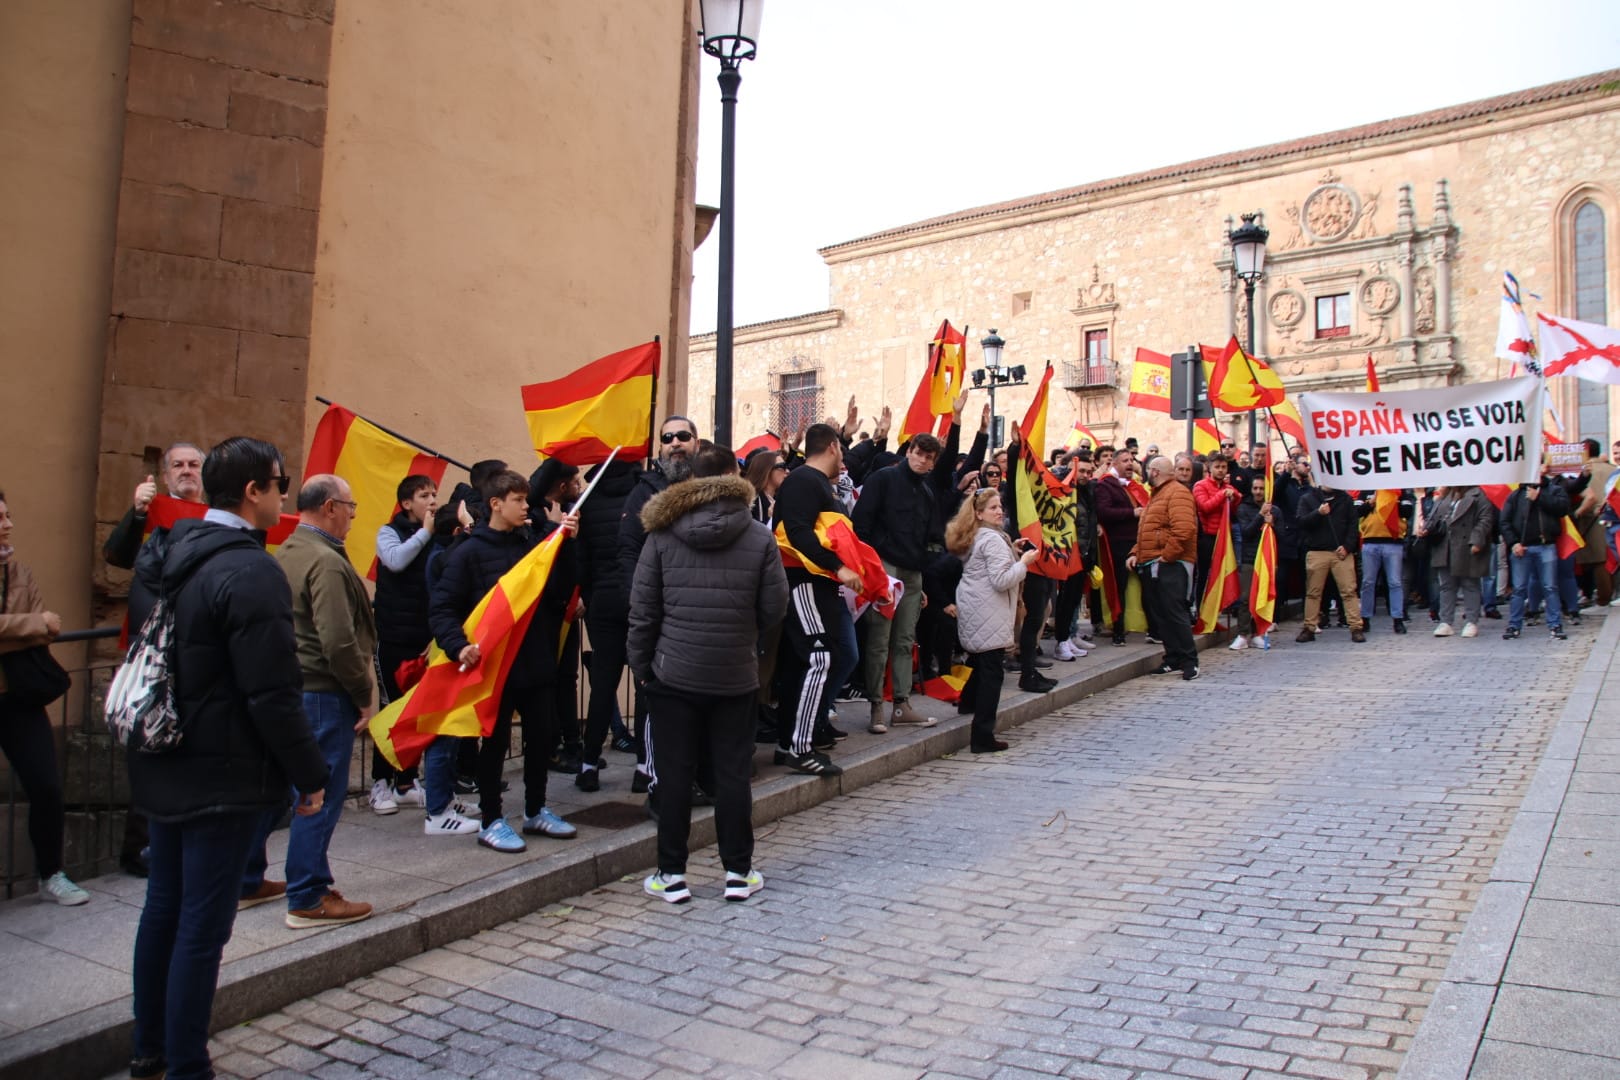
<point>1080,646</point>
<point>1470,630</point>
<point>449,823</point>
<point>1065,651</point>
<point>60,888</point>
<point>1085,632</point>
<point>411,796</point>
<point>1445,630</point>
<point>1239,643</point>
<point>382,799</point>
<point>1261,641</point>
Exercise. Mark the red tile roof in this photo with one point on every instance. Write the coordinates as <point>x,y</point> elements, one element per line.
<point>1603,82</point>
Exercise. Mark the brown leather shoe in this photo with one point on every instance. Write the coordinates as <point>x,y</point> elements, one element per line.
<point>1305,635</point>
<point>1358,635</point>
<point>333,910</point>
<point>267,891</point>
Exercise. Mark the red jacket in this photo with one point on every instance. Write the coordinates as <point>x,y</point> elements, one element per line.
<point>1210,498</point>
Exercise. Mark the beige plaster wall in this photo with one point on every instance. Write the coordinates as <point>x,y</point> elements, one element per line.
<point>504,185</point>
<point>1158,249</point>
<point>62,75</point>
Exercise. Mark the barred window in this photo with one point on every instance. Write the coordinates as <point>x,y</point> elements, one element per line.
<point>797,401</point>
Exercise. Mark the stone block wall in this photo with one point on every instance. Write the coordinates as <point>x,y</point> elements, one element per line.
<point>214,260</point>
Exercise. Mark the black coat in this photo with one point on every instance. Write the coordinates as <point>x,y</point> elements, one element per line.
<point>237,684</point>
<point>631,533</point>
<point>895,514</point>
<point>1539,522</point>
<point>600,582</point>
<point>1326,532</point>
<point>401,602</point>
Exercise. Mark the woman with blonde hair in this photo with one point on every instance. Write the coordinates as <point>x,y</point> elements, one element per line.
<point>993,570</point>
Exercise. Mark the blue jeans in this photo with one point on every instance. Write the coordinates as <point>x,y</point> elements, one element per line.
<point>258,861</point>
<point>332,718</point>
<point>191,894</point>
<point>1543,559</point>
<point>1487,588</point>
<point>1568,591</point>
<point>845,655</point>
<point>439,773</point>
<point>1392,557</point>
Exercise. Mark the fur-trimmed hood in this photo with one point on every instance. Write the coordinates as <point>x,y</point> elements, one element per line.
<point>705,513</point>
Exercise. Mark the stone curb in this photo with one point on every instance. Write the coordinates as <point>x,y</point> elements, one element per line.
<point>1449,1037</point>
<point>96,1041</point>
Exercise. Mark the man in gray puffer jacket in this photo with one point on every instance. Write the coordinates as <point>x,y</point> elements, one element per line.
<point>708,584</point>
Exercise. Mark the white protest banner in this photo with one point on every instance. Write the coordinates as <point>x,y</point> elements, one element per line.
<point>1481,433</point>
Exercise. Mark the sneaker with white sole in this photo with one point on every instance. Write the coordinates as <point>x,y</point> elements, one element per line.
<point>59,889</point>
<point>546,823</point>
<point>1239,643</point>
<point>411,796</point>
<point>1067,652</point>
<point>670,888</point>
<point>500,837</point>
<point>1470,630</point>
<point>1260,641</point>
<point>1444,630</point>
<point>449,823</point>
<point>1081,645</point>
<point>742,886</point>
<point>383,802</point>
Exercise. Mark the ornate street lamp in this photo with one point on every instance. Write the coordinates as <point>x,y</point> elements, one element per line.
<point>1249,260</point>
<point>730,34</point>
<point>994,374</point>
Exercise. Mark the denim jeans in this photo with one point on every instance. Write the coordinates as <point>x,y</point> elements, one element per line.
<point>258,861</point>
<point>845,653</point>
<point>1542,560</point>
<point>1568,590</point>
<point>1392,558</point>
<point>191,894</point>
<point>332,718</point>
<point>439,773</point>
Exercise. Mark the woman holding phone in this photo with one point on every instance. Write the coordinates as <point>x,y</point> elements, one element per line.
<point>986,604</point>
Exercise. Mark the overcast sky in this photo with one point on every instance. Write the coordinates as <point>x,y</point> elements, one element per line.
<point>860,115</point>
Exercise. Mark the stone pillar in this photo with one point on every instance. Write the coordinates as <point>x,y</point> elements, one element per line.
<point>214,258</point>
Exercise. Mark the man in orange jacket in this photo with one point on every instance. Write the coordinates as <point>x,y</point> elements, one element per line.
<point>1167,544</point>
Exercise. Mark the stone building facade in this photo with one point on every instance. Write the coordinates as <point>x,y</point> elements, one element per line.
<point>1388,239</point>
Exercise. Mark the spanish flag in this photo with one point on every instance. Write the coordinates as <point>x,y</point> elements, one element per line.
<point>1206,437</point>
<point>1222,589</point>
<point>165,512</point>
<point>941,383</point>
<point>1263,585</point>
<point>1118,596</point>
<point>1387,501</point>
<point>1045,513</point>
<point>768,441</point>
<point>581,417</point>
<point>1238,382</point>
<point>1033,429</point>
<point>837,534</point>
<point>948,688</point>
<point>1079,436</point>
<point>449,701</point>
<point>1150,382</point>
<point>373,462</point>
<point>1284,418</point>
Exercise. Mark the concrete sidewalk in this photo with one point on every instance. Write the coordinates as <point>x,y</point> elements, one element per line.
<point>70,1015</point>
<point>1533,989</point>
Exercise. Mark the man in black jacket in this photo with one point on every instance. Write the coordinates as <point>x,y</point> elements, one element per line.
<point>606,611</point>
<point>1328,533</point>
<point>708,586</point>
<point>1531,523</point>
<point>246,741</point>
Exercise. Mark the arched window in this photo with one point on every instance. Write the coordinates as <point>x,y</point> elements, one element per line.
<point>1590,281</point>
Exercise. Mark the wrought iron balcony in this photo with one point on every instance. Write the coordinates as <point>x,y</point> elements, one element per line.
<point>1089,374</point>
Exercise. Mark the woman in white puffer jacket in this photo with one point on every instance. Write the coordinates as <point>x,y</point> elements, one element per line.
<point>986,605</point>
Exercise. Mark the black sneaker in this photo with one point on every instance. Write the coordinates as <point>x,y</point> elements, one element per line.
<point>565,762</point>
<point>1492,613</point>
<point>1400,626</point>
<point>1119,639</point>
<point>1037,684</point>
<point>1165,668</point>
<point>639,783</point>
<point>823,739</point>
<point>1533,619</point>
<point>1151,640</point>
<point>1189,675</point>
<point>837,733</point>
<point>813,764</point>
<point>588,780</point>
<point>624,745</point>
<point>1558,633</point>
<point>1510,633</point>
<point>467,785</point>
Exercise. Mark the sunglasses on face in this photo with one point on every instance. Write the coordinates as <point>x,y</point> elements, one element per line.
<point>281,482</point>
<point>673,436</point>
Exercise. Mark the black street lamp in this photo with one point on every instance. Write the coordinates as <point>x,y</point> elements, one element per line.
<point>992,375</point>
<point>730,33</point>
<point>1249,260</point>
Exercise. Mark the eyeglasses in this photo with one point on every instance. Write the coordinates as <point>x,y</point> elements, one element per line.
<point>354,507</point>
<point>282,483</point>
<point>1228,446</point>
<point>671,436</point>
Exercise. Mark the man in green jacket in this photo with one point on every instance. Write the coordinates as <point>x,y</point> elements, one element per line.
<point>336,636</point>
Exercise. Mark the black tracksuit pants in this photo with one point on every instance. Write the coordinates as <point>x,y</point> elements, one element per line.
<point>691,729</point>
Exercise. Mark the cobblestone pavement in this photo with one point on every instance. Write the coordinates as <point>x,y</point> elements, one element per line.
<point>1262,873</point>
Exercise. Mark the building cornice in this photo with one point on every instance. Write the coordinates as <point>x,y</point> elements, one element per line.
<point>774,328</point>
<point>1573,97</point>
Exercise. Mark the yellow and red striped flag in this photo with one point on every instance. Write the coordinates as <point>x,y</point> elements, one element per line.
<point>941,383</point>
<point>449,701</point>
<point>1150,382</point>
<point>1033,429</point>
<point>1206,437</point>
<point>837,534</point>
<point>1079,436</point>
<point>1284,418</point>
<point>373,462</point>
<point>582,416</point>
<point>1238,382</point>
<point>1221,591</point>
<point>165,512</point>
<point>1387,501</point>
<point>1263,585</point>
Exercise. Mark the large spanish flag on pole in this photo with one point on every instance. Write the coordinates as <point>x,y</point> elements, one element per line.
<point>450,701</point>
<point>165,512</point>
<point>1150,382</point>
<point>941,382</point>
<point>1046,514</point>
<point>1284,419</point>
<point>1263,585</point>
<point>1237,381</point>
<point>373,462</point>
<point>1033,429</point>
<point>580,417</point>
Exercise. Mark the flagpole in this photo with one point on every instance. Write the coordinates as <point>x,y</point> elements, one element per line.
<point>652,411</point>
<point>401,438</point>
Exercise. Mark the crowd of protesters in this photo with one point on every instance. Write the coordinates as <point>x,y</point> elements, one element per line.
<point>719,584</point>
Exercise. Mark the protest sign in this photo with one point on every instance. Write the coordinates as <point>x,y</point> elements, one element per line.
<point>1482,433</point>
<point>1566,457</point>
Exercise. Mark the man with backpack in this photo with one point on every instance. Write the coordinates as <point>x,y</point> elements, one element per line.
<point>244,742</point>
